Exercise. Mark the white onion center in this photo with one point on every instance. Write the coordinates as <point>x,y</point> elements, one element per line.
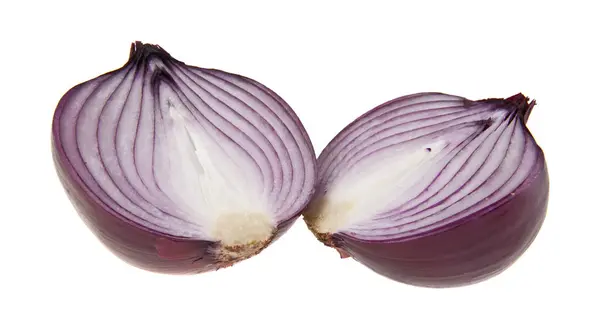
<point>369,187</point>
<point>212,185</point>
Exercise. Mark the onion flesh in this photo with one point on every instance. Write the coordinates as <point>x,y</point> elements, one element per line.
<point>181,169</point>
<point>433,189</point>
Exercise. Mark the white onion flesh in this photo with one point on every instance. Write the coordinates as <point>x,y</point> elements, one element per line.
<point>189,152</point>
<point>420,164</point>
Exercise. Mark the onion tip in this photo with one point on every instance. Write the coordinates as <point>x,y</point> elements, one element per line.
<point>519,102</point>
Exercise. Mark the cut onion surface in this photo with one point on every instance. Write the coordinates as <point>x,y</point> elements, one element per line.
<point>181,169</point>
<point>433,189</point>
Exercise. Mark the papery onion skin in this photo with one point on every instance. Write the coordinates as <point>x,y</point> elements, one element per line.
<point>150,249</point>
<point>469,250</point>
<point>136,245</point>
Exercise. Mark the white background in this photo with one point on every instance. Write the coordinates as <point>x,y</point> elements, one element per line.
<point>331,61</point>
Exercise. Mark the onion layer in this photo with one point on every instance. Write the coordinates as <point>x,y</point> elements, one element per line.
<point>181,169</point>
<point>433,189</point>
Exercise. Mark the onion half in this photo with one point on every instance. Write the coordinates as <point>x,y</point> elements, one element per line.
<point>433,189</point>
<point>181,169</point>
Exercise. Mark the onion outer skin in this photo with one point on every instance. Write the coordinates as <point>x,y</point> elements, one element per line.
<point>143,247</point>
<point>465,252</point>
<point>501,233</point>
<point>133,244</point>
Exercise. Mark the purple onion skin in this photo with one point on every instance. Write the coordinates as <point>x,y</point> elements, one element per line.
<point>478,248</point>
<point>465,252</point>
<point>134,244</point>
<point>138,246</point>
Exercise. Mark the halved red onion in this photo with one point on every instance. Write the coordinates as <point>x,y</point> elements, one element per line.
<point>180,169</point>
<point>433,189</point>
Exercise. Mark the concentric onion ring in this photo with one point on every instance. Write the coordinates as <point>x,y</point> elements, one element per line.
<point>433,189</point>
<point>178,168</point>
